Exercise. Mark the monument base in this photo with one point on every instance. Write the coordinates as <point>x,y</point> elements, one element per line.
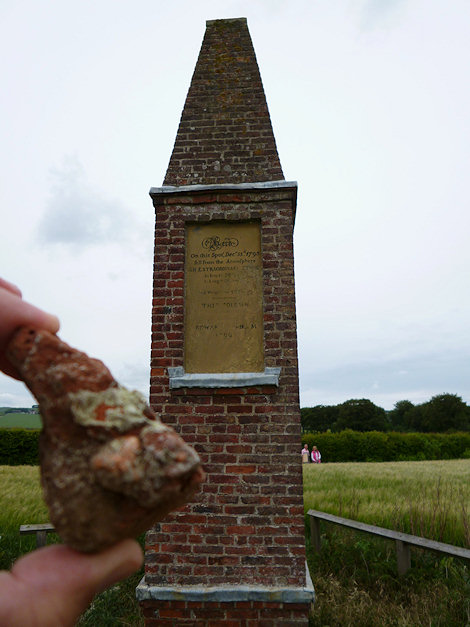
<point>237,606</point>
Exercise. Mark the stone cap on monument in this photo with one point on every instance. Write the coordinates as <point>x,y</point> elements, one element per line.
<point>225,133</point>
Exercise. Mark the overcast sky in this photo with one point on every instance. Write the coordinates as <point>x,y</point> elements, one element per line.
<point>370,104</point>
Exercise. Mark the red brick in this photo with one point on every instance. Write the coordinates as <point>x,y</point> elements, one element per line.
<point>240,529</point>
<point>227,391</point>
<point>241,470</point>
<point>170,613</point>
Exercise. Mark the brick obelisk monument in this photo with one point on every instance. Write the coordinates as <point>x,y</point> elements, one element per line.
<point>224,356</point>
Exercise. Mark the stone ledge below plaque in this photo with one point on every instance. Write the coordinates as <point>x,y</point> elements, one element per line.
<point>181,379</point>
<point>228,593</point>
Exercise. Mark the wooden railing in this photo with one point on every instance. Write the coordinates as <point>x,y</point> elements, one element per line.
<point>403,541</point>
<point>40,530</point>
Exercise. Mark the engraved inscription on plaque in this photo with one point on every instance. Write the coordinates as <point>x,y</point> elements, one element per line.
<point>223,298</point>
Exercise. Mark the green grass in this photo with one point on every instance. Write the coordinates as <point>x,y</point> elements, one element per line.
<point>117,605</point>
<point>355,575</point>
<point>21,503</point>
<point>20,421</point>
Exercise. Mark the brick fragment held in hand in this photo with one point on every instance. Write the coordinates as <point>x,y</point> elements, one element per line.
<point>110,468</point>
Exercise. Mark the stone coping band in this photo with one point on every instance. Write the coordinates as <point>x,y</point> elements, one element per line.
<point>184,189</point>
<point>181,379</point>
<point>227,594</point>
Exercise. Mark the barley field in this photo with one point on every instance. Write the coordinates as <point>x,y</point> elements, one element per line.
<point>429,498</point>
<point>21,499</point>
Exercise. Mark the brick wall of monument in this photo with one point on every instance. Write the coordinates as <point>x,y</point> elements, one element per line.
<point>246,526</point>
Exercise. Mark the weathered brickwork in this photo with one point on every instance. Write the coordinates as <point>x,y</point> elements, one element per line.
<point>225,134</point>
<point>246,527</point>
<point>238,614</point>
<point>247,524</point>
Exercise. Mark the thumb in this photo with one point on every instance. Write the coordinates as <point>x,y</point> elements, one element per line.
<point>60,583</point>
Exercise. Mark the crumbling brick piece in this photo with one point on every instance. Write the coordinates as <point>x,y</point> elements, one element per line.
<point>110,468</point>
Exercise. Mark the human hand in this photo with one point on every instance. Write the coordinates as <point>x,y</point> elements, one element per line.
<point>14,313</point>
<point>52,586</point>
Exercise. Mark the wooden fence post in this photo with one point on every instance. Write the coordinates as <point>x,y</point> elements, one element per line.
<point>315,533</point>
<point>403,557</point>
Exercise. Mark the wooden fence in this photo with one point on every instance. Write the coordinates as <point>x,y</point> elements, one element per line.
<point>40,531</point>
<point>403,541</point>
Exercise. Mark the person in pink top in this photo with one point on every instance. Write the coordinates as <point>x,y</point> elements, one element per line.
<point>316,455</point>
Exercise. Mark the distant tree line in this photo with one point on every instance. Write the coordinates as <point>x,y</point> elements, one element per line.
<point>443,413</point>
<point>19,410</point>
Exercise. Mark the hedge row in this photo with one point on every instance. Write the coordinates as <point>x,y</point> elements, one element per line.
<point>375,446</point>
<point>19,447</point>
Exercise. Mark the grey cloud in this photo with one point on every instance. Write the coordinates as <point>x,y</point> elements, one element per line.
<point>379,12</point>
<point>14,393</point>
<point>405,379</point>
<point>78,215</point>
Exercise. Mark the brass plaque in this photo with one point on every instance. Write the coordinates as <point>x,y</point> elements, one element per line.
<point>223,298</point>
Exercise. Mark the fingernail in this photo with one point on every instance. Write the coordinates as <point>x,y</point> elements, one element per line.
<point>54,322</point>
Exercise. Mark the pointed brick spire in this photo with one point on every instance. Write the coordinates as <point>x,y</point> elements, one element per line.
<point>225,134</point>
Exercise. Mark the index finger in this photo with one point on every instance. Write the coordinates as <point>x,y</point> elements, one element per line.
<point>15,313</point>
<point>11,287</point>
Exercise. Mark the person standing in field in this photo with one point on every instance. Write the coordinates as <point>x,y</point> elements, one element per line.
<point>316,455</point>
<point>305,454</point>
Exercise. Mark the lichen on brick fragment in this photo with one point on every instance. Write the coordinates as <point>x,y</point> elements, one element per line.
<point>116,408</point>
